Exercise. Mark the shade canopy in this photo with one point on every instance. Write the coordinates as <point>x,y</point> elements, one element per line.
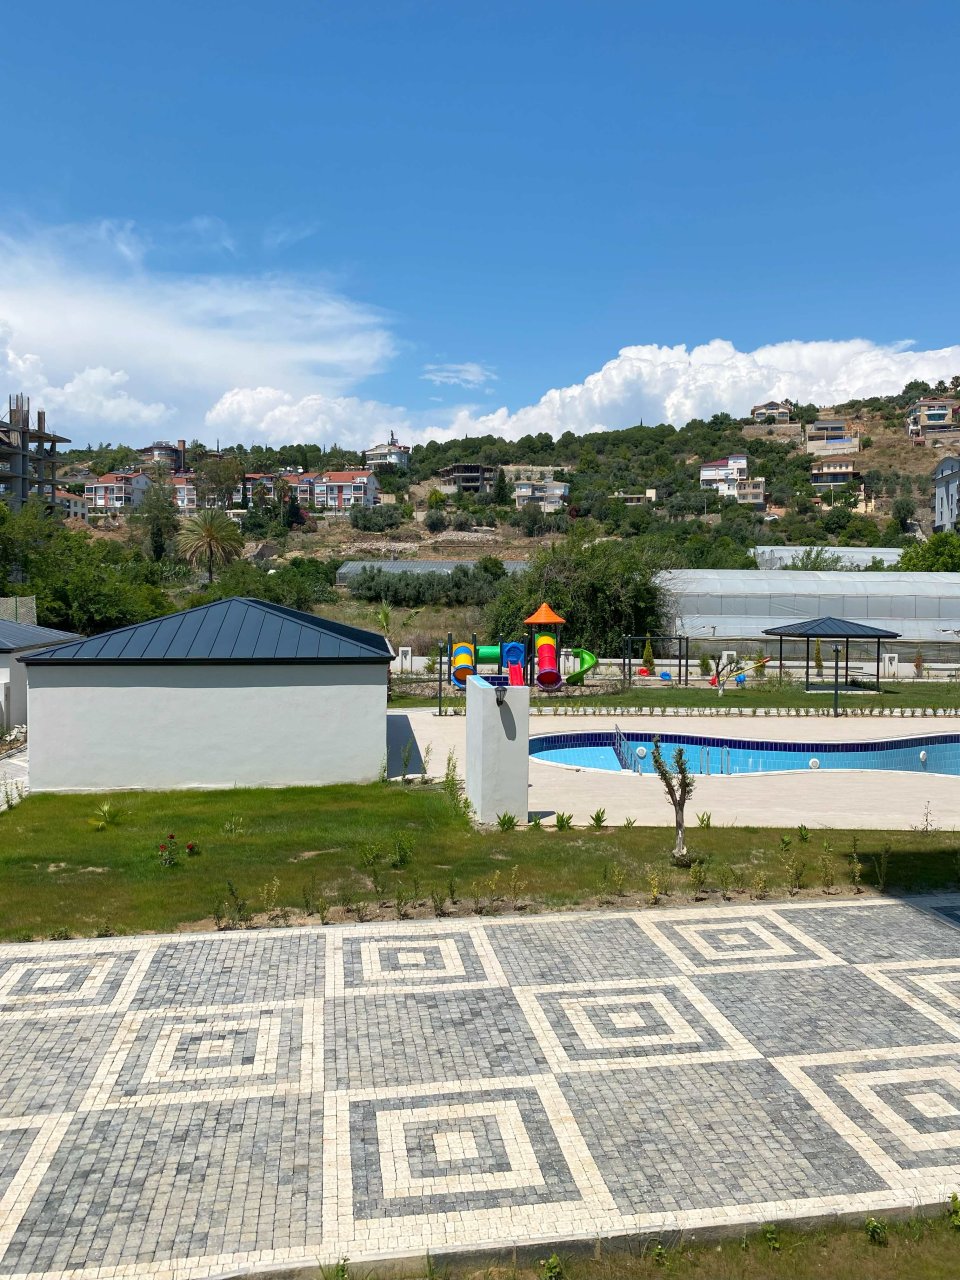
<point>831,629</point>
<point>544,616</point>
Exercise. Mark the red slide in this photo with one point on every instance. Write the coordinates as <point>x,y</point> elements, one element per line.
<point>515,672</point>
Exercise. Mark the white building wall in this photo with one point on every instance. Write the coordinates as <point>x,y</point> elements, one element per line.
<point>96,728</point>
<point>498,750</point>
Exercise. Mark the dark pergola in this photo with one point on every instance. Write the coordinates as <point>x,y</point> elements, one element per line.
<point>831,629</point>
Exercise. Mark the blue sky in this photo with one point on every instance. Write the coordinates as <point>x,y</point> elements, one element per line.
<point>317,219</point>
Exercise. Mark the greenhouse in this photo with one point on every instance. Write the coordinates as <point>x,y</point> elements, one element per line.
<point>735,607</point>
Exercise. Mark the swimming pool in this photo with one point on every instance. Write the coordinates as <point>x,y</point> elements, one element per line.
<point>616,752</point>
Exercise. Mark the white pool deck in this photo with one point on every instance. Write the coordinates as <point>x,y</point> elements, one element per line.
<point>835,798</point>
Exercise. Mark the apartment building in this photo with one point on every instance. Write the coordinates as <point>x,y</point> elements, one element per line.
<point>165,454</point>
<point>253,480</point>
<point>830,436</point>
<point>116,491</point>
<point>548,495</point>
<point>467,477</point>
<point>778,410</point>
<point>723,474</point>
<point>340,490</point>
<point>71,505</point>
<point>932,413</point>
<point>946,494</point>
<point>752,492</point>
<point>185,491</point>
<point>391,454</point>
<point>832,473</point>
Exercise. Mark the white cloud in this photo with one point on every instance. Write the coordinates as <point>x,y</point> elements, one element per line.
<point>281,235</point>
<point>94,331</point>
<point>273,417</point>
<point>674,384</point>
<point>89,325</point>
<point>469,374</point>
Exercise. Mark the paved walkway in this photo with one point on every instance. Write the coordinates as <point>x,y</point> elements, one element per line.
<point>895,801</point>
<point>185,1106</point>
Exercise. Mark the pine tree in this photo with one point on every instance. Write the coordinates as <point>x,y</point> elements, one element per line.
<point>818,659</point>
<point>648,660</point>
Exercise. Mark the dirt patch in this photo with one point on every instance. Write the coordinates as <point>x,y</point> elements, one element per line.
<point>310,853</point>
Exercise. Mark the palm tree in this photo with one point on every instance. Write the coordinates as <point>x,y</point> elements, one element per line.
<point>210,537</point>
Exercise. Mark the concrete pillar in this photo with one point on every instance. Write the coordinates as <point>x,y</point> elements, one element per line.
<point>497,766</point>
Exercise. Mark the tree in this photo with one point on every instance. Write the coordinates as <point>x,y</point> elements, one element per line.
<point>502,491</point>
<point>217,478</point>
<point>903,511</point>
<point>292,515</point>
<point>678,784</point>
<point>939,554</point>
<point>604,590</point>
<point>436,501</point>
<point>435,521</point>
<point>648,659</point>
<point>818,658</point>
<point>158,515</point>
<point>210,538</point>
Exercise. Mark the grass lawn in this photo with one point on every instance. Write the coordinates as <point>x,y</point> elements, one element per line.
<point>755,694</point>
<point>918,1249</point>
<point>358,846</point>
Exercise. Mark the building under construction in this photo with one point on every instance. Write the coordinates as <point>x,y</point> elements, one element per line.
<point>28,455</point>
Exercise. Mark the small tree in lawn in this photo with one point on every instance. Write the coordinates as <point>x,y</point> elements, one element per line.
<point>648,660</point>
<point>818,659</point>
<point>678,784</point>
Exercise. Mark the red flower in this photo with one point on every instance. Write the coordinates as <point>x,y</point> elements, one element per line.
<point>163,848</point>
<point>191,845</point>
<point>171,836</point>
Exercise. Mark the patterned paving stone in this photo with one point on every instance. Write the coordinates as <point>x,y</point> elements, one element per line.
<point>810,1011</point>
<point>384,1040</point>
<point>900,1111</point>
<point>686,1135</point>
<point>179,1181</point>
<point>579,950</point>
<point>175,1108</point>
<point>452,1153</point>
<point>57,979</point>
<point>867,935</point>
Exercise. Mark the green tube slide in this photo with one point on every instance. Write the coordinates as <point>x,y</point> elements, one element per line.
<point>587,663</point>
<point>488,653</point>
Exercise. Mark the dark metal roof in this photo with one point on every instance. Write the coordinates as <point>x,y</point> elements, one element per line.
<point>832,629</point>
<point>23,635</point>
<point>234,630</point>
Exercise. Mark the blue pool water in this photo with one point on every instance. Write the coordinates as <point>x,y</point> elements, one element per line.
<point>940,753</point>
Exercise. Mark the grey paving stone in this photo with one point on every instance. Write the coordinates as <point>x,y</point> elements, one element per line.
<point>868,935</point>
<point>382,1040</point>
<point>586,949</point>
<point>785,1011</point>
<point>232,968</point>
<point>726,1134</point>
<point>47,1064</point>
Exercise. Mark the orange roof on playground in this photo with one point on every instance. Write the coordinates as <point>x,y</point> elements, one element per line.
<point>543,615</point>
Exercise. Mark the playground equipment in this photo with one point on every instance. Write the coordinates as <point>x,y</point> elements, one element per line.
<point>738,672</point>
<point>463,664</point>
<point>548,673</point>
<point>464,658</point>
<point>587,662</point>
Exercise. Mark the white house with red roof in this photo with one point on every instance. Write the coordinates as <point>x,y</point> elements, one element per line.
<point>117,491</point>
<point>341,490</point>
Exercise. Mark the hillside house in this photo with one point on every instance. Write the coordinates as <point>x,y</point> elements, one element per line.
<point>116,491</point>
<point>549,495</point>
<point>932,413</point>
<point>391,454</point>
<point>777,410</point>
<point>467,477</point>
<point>832,473</point>
<point>70,505</point>
<point>946,493</point>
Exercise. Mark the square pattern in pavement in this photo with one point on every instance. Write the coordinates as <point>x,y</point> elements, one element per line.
<point>188,1107</point>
